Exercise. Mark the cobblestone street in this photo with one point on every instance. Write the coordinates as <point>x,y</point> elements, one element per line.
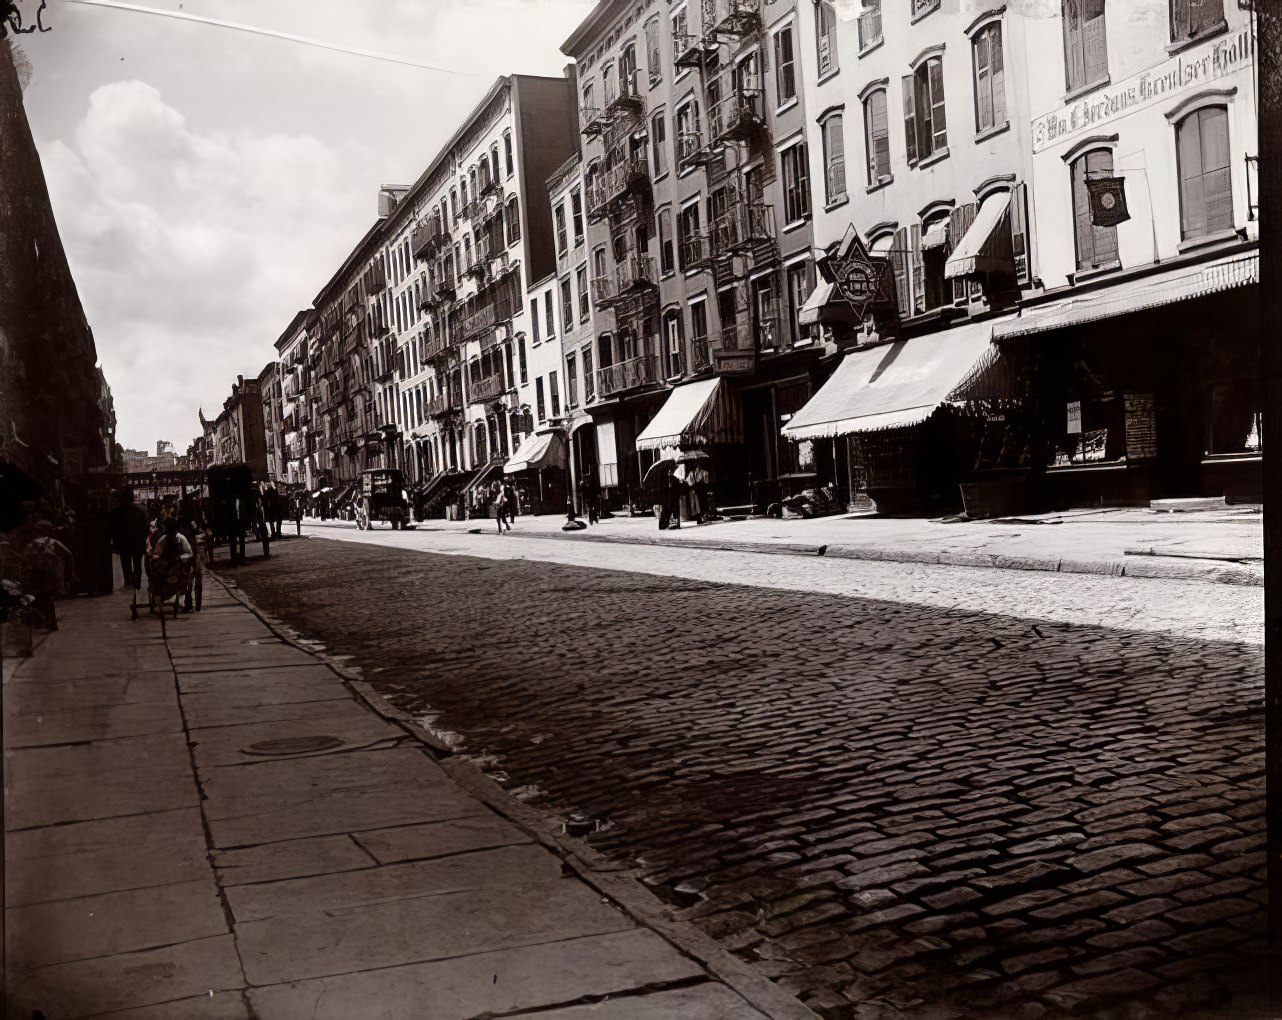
<point>910,805</point>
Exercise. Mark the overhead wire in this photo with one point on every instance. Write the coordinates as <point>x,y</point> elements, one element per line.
<point>271,33</point>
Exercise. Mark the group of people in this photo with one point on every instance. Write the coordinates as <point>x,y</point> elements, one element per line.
<point>164,546</point>
<point>506,504</point>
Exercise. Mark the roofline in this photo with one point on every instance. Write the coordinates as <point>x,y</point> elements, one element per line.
<point>294,323</point>
<point>361,246</point>
<point>416,189</point>
<point>604,11</point>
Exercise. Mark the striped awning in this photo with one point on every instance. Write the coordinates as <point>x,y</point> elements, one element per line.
<point>1166,288</point>
<point>983,249</point>
<point>693,415</point>
<point>543,449</point>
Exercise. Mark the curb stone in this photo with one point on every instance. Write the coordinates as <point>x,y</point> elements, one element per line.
<point>615,881</point>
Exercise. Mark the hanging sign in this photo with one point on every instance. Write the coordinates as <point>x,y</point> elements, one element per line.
<point>853,272</point>
<point>1108,200</point>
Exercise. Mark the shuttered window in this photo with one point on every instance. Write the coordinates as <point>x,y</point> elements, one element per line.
<point>1206,186</point>
<point>877,137</point>
<point>1096,246</point>
<point>826,37</point>
<point>990,78</point>
<point>796,183</point>
<point>1193,18</point>
<point>654,53</point>
<point>925,123</point>
<point>785,66</point>
<point>834,159</point>
<point>1085,44</point>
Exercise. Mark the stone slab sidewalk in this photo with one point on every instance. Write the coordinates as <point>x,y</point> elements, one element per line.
<point>1225,546</point>
<point>204,820</point>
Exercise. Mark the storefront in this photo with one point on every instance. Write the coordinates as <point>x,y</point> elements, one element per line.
<point>905,446</point>
<point>701,416</point>
<point>539,471</point>
<point>1146,389</point>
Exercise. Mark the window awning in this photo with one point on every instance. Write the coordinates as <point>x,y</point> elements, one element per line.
<point>693,415</point>
<point>983,248</point>
<point>543,449</point>
<point>825,306</point>
<point>1123,298</point>
<point>893,385</point>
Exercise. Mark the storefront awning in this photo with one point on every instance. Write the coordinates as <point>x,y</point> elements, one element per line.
<point>543,449</point>
<point>825,306</point>
<point>693,415</point>
<point>983,248</point>
<point>1130,296</point>
<point>893,385</point>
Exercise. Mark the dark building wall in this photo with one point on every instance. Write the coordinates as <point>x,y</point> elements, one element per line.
<point>546,119</point>
<point>49,386</point>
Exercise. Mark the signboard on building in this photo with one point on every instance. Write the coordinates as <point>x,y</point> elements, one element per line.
<point>1193,69</point>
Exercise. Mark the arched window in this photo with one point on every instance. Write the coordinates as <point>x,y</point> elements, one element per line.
<point>1096,246</point>
<point>925,120</point>
<point>826,38</point>
<point>1206,184</point>
<point>877,136</point>
<point>990,77</point>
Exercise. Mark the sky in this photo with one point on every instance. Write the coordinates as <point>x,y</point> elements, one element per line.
<point>208,182</point>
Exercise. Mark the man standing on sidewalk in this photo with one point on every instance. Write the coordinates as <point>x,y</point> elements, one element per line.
<point>129,536</point>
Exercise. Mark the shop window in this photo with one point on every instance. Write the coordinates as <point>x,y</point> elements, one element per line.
<point>877,137</point>
<point>990,78</point>
<point>826,38</point>
<point>1234,422</point>
<point>796,183</point>
<point>1192,19</point>
<point>925,122</point>
<point>1085,44</point>
<point>1094,431</point>
<point>834,159</point>
<point>1096,245</point>
<point>785,66</point>
<point>1206,185</point>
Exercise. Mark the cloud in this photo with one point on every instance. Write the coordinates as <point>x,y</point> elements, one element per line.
<point>192,250</point>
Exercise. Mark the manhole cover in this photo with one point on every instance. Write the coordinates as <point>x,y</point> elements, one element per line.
<point>294,745</point>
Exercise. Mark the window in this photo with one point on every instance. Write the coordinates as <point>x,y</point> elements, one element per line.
<point>936,290</point>
<point>598,263</point>
<point>576,215</point>
<point>554,392</point>
<point>659,143</point>
<point>1206,186</point>
<point>765,312</point>
<point>494,164</point>
<point>562,241</point>
<point>467,249</point>
<point>513,220</point>
<point>571,380</point>
<point>1096,246</point>
<point>588,96</point>
<point>673,348</point>
<point>667,260</point>
<point>689,137</point>
<point>654,55</point>
<point>549,313</point>
<point>453,207</point>
<point>534,320</point>
<point>585,306</point>
<point>679,33</point>
<point>798,280</point>
<point>629,81</point>
<point>826,37</point>
<point>1085,46</point>
<point>796,183</point>
<point>785,66</point>
<point>869,26</point>
<point>520,351</point>
<point>990,78</point>
<point>539,403</point>
<point>834,159</point>
<point>688,222</point>
<point>699,334</point>
<point>589,379</point>
<point>1191,19</point>
<point>567,305</point>
<point>925,127</point>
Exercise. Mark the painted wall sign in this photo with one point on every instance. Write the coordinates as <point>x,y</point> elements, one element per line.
<point>1183,72</point>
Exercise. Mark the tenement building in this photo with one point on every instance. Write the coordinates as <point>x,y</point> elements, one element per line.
<point>298,450</point>
<point>462,243</point>
<point>1144,148</point>
<point>698,201</point>
<point>1050,216</point>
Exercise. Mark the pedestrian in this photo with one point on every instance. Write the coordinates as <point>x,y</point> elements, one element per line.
<point>129,536</point>
<point>298,516</point>
<point>500,509</point>
<point>50,570</point>
<point>592,497</point>
<point>511,503</point>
